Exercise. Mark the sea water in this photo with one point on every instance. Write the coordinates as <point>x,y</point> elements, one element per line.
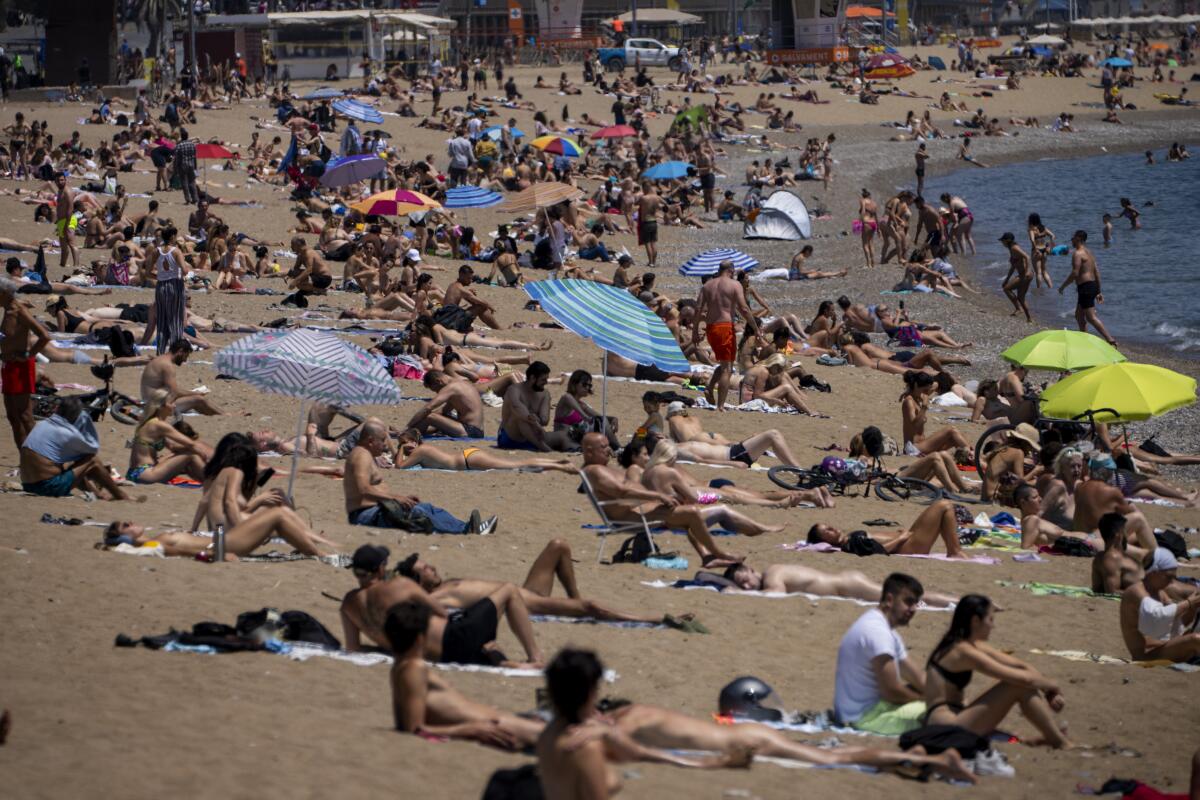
<point>1150,277</point>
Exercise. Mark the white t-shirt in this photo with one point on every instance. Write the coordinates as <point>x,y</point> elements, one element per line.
<point>1157,621</point>
<point>855,688</point>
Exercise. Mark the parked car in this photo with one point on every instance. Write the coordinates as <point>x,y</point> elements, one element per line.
<point>640,52</point>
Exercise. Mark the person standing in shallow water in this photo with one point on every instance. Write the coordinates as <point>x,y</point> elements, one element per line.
<point>1020,275</point>
<point>1086,275</point>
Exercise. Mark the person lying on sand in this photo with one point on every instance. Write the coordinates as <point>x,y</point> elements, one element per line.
<point>936,522</point>
<point>1153,625</point>
<point>553,562</point>
<point>415,455</point>
<point>242,539</point>
<point>793,578</point>
<point>741,454</point>
<point>455,637</point>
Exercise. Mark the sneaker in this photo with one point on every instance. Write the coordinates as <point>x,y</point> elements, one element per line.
<point>492,399</point>
<point>475,522</point>
<point>488,526</point>
<point>992,762</point>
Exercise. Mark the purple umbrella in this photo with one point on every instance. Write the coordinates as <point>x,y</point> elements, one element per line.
<point>352,169</point>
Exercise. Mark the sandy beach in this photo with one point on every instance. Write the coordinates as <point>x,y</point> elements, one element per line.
<point>92,720</point>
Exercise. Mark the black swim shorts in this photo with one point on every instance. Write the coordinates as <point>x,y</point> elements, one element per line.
<point>468,631</point>
<point>738,453</point>
<point>473,432</point>
<point>708,180</point>
<point>647,231</point>
<point>1088,292</point>
<point>321,281</point>
<point>649,372</point>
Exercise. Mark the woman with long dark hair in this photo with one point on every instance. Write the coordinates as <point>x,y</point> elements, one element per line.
<point>963,651</point>
<point>168,314</point>
<point>914,407</point>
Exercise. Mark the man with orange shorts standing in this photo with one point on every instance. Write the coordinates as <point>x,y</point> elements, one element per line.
<point>720,298</point>
<point>19,373</point>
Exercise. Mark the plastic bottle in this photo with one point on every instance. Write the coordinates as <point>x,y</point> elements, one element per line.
<point>219,544</point>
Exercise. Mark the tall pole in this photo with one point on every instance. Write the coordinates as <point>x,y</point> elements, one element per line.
<point>192,43</point>
<point>633,31</point>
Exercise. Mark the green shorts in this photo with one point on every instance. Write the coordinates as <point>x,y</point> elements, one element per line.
<point>889,719</point>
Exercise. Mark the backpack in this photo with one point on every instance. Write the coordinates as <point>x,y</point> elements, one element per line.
<point>401,518</point>
<point>1173,542</point>
<point>521,783</point>
<point>121,343</point>
<point>455,318</point>
<point>860,544</point>
<point>633,550</point>
<point>1071,546</point>
<point>909,336</point>
<point>300,626</point>
<point>936,739</point>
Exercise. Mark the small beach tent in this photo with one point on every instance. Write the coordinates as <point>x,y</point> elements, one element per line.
<point>936,63</point>
<point>1048,39</point>
<point>783,215</point>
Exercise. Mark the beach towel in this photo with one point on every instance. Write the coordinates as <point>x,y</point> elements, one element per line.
<point>302,651</point>
<point>823,547</point>
<point>758,406</point>
<point>1100,658</point>
<point>691,585</point>
<point>1058,589</point>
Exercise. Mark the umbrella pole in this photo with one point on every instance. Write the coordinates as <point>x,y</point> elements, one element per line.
<point>604,393</point>
<point>296,451</point>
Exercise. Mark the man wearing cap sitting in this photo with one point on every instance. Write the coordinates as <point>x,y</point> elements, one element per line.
<point>1152,624</point>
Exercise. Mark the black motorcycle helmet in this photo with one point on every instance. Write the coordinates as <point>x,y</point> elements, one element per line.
<point>750,698</point>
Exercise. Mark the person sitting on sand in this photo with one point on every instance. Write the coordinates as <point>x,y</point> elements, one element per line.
<point>877,688</point>
<point>159,385</point>
<point>1036,530</point>
<point>963,651</point>
<point>1005,464</point>
<point>457,294</point>
<point>456,637</point>
<point>415,455</point>
<point>1117,567</point>
<point>241,539</point>
<point>368,502</point>
<point>1098,496</point>
<point>1153,626</point>
<point>526,412</point>
<point>61,453</point>
<point>662,473</point>
<point>914,408</point>
<point>936,522</point>
<point>154,434</point>
<point>796,578</point>
<point>627,500</point>
<point>553,562</point>
<point>463,417</point>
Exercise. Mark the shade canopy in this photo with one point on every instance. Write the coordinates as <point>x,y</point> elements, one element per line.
<point>352,169</point>
<point>212,151</point>
<point>559,145</point>
<point>396,203</point>
<point>668,170</point>
<point>662,16</point>
<point>709,261</point>
<point>542,195</point>
<point>358,111</point>
<point>1062,351</point>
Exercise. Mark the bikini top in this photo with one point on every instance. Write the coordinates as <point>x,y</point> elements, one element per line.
<point>957,679</point>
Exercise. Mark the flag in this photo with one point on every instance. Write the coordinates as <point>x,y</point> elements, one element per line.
<point>289,156</point>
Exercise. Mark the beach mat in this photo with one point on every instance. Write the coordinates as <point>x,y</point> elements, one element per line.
<point>1057,590</point>
<point>1100,658</point>
<point>822,547</point>
<point>688,585</point>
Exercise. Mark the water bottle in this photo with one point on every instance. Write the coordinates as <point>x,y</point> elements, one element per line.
<point>219,544</point>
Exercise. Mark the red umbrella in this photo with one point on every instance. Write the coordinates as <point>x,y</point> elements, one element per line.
<point>212,151</point>
<point>614,132</point>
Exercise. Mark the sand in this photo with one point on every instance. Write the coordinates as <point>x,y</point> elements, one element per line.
<point>91,719</point>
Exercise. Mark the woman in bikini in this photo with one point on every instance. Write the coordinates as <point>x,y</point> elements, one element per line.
<point>964,220</point>
<point>1041,241</point>
<point>914,408</point>
<point>84,322</point>
<point>771,382</point>
<point>19,147</point>
<point>963,651</point>
<point>666,453</point>
<point>152,436</point>
<point>415,455</point>
<point>572,410</point>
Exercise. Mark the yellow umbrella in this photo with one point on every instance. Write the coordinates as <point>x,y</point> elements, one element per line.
<point>395,203</point>
<point>1133,391</point>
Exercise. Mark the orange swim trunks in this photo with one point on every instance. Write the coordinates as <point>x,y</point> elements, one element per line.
<point>722,340</point>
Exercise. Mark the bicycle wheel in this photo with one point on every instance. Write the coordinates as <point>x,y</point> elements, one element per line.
<point>792,478</point>
<point>964,499</point>
<point>895,489</point>
<point>126,410</point>
<point>989,435</point>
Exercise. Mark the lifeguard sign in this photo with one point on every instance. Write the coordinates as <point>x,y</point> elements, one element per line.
<point>812,55</point>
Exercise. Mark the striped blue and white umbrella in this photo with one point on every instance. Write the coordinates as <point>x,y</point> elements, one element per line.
<point>311,365</point>
<point>612,319</point>
<point>706,263</point>
<point>495,132</point>
<point>359,111</point>
<point>471,197</point>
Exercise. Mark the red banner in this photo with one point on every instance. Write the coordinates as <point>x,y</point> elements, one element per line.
<point>516,20</point>
<point>816,55</point>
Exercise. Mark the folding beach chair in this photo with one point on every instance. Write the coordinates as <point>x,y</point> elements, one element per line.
<point>608,526</point>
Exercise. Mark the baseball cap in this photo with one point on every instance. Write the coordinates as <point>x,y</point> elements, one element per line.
<point>413,254</point>
<point>369,558</point>
<point>1163,561</point>
<point>676,407</point>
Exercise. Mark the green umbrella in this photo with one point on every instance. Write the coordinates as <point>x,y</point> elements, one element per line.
<point>1134,391</point>
<point>1062,351</point>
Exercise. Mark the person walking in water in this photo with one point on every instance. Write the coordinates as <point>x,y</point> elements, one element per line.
<point>1020,275</point>
<point>1086,275</point>
<point>922,155</point>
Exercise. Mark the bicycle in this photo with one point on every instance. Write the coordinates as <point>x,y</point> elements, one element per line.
<point>887,485</point>
<point>98,403</point>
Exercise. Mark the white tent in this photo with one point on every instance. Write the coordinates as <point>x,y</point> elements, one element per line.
<point>1047,26</point>
<point>783,216</point>
<point>1047,39</point>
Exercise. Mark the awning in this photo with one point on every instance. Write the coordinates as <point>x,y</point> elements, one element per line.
<point>865,12</point>
<point>406,18</point>
<point>661,16</point>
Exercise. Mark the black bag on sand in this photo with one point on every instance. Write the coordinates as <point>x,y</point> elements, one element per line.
<point>456,318</point>
<point>1071,546</point>
<point>1173,542</point>
<point>633,550</point>
<point>404,519</point>
<point>121,342</point>
<point>940,738</point>
<point>521,783</point>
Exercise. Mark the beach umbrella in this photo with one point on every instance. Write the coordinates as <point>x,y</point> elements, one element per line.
<point>888,65</point>
<point>1062,351</point>
<point>614,132</point>
<point>212,151</point>
<point>352,169</point>
<point>558,145</point>
<point>358,111</point>
<point>323,93</point>
<point>1117,62</point>
<point>310,365</point>
<point>1134,391</point>
<point>542,195</point>
<point>494,133</point>
<point>472,197</point>
<point>706,263</point>
<point>668,170</point>
<point>613,320</point>
<point>1048,39</point>
<point>395,203</point>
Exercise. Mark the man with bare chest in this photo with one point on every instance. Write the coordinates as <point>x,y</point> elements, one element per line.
<point>719,300</point>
